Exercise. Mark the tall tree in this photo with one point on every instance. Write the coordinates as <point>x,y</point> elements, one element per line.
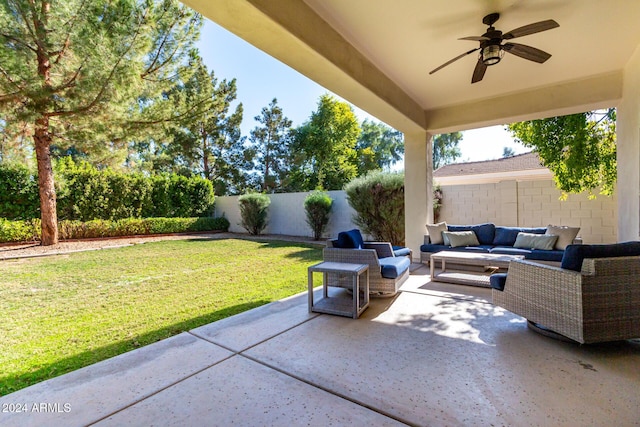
<point>445,149</point>
<point>379,146</point>
<point>579,149</point>
<point>208,142</point>
<point>271,144</point>
<point>324,148</point>
<point>94,71</point>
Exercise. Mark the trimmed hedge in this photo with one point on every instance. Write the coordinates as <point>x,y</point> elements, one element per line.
<point>29,230</point>
<point>85,193</point>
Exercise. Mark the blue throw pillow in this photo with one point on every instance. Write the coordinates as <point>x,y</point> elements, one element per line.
<point>506,236</point>
<point>356,238</point>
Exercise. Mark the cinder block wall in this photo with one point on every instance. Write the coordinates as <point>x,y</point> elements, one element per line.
<point>530,204</point>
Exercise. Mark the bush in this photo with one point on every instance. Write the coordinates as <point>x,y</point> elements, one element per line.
<point>18,192</point>
<point>22,231</point>
<point>253,211</point>
<point>318,208</point>
<point>378,199</point>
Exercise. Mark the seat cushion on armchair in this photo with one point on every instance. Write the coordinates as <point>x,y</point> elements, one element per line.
<point>575,254</point>
<point>351,239</point>
<point>393,267</point>
<point>498,280</point>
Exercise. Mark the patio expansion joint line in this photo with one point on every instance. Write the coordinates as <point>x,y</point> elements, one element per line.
<point>462,298</point>
<point>332,392</point>
<point>160,390</point>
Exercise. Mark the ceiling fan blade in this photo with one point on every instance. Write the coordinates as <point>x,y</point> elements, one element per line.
<point>475,38</point>
<point>536,27</point>
<point>478,72</point>
<point>454,59</point>
<point>527,52</point>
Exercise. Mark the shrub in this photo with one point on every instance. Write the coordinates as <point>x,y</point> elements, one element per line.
<point>18,192</point>
<point>318,209</point>
<point>378,199</point>
<point>253,212</point>
<point>22,231</point>
<point>19,231</point>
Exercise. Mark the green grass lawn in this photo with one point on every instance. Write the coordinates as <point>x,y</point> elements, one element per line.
<point>63,312</point>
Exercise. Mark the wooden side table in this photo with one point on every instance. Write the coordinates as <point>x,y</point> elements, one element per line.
<point>340,305</point>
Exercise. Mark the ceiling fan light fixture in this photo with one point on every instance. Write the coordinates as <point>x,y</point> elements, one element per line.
<point>491,54</point>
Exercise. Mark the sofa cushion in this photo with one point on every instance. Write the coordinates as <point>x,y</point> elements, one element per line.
<point>461,238</point>
<point>506,236</point>
<point>541,255</point>
<point>535,241</point>
<point>435,232</point>
<point>393,267</point>
<point>351,239</point>
<point>437,248</point>
<point>566,235</point>
<point>400,251</point>
<point>498,280</point>
<point>484,232</point>
<point>575,254</point>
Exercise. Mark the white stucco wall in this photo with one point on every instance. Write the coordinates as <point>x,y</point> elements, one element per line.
<point>287,215</point>
<point>530,204</point>
<point>628,149</point>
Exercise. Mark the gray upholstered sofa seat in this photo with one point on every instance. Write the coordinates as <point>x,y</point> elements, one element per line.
<point>496,240</point>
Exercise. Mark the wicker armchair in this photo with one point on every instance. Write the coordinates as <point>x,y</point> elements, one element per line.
<point>371,253</point>
<point>599,303</point>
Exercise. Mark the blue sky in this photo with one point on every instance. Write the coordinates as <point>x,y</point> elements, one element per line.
<point>260,78</point>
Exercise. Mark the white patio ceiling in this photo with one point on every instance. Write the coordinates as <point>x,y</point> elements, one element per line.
<point>377,54</point>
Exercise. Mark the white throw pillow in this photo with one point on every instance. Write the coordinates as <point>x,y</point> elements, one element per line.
<point>566,235</point>
<point>435,232</point>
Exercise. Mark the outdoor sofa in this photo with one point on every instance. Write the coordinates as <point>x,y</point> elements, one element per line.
<point>594,296</point>
<point>535,244</point>
<point>388,265</point>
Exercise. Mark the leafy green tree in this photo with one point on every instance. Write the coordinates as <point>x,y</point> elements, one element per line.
<point>271,144</point>
<point>208,141</point>
<point>379,146</point>
<point>88,72</point>
<point>579,149</point>
<point>445,149</point>
<point>324,148</point>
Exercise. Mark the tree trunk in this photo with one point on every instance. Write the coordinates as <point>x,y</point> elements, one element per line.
<point>47,190</point>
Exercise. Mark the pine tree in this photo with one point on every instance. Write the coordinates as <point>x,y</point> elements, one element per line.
<point>271,144</point>
<point>89,72</point>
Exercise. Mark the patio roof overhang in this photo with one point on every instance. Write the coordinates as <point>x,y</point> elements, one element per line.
<point>377,55</point>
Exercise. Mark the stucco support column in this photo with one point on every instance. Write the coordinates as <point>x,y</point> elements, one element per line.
<point>418,184</point>
<point>628,149</point>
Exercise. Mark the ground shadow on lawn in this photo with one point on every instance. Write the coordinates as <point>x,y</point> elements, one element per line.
<point>11,383</point>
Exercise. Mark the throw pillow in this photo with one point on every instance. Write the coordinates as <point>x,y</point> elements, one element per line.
<point>435,232</point>
<point>565,235</point>
<point>461,238</point>
<point>535,241</point>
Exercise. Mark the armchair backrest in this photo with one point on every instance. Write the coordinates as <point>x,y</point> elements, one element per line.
<point>574,255</point>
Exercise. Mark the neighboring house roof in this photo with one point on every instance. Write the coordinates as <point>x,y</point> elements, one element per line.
<point>521,166</point>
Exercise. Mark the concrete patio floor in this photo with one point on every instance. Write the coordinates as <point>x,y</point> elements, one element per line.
<point>434,355</point>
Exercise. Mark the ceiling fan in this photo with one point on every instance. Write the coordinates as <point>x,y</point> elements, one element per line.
<point>491,47</point>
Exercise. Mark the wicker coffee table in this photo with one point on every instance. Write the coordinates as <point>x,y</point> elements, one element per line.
<point>490,263</point>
